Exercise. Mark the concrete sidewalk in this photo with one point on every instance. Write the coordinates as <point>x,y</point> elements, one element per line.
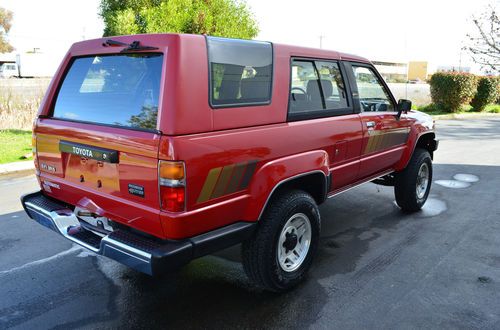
<point>17,167</point>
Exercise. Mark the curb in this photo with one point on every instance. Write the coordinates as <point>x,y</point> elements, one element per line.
<point>23,167</point>
<point>466,115</point>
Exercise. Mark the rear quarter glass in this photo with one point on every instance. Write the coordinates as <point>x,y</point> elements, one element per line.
<point>119,90</point>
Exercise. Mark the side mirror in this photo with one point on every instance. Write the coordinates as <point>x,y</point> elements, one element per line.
<point>403,106</point>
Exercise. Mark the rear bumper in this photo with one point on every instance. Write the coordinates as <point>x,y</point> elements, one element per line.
<point>144,254</point>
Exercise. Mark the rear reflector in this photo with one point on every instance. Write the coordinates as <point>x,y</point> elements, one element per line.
<point>171,176</point>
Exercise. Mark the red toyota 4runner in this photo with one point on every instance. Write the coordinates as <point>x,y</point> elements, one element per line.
<point>153,150</point>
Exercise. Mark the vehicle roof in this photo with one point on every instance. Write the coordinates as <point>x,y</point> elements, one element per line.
<point>278,47</point>
<point>318,53</point>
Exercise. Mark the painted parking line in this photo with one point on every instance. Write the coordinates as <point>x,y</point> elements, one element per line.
<point>28,265</point>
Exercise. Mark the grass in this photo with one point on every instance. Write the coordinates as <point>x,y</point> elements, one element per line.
<point>433,110</point>
<point>19,102</point>
<point>14,144</point>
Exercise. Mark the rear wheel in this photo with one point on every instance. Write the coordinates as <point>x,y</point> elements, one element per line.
<point>279,254</point>
<point>413,184</point>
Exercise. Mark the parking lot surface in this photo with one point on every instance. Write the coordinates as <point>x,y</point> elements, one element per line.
<point>376,267</point>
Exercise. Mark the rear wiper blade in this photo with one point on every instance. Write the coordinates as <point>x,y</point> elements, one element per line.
<point>135,45</point>
<point>111,42</point>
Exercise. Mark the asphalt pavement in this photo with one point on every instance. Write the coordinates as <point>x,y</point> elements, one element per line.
<point>376,268</point>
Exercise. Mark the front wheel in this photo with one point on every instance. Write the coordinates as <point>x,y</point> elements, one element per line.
<point>413,184</point>
<point>280,252</point>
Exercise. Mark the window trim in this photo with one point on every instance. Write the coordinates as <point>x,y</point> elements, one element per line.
<point>237,105</point>
<point>324,113</point>
<point>50,114</point>
<point>355,89</point>
<point>130,128</point>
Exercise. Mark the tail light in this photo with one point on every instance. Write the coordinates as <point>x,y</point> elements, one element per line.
<point>33,144</point>
<point>172,180</point>
<point>33,149</point>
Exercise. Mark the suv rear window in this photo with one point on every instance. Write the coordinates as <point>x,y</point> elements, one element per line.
<point>120,90</point>
<point>240,72</point>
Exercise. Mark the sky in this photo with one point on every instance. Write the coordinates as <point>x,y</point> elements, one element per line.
<point>383,30</point>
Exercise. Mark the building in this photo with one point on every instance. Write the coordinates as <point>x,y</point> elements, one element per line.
<point>392,72</point>
<point>418,70</point>
<point>452,68</point>
<point>402,72</point>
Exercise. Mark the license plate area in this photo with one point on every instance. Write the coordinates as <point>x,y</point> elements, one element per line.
<point>92,173</point>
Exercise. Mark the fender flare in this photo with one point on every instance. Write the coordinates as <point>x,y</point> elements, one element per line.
<point>273,174</point>
<point>412,144</point>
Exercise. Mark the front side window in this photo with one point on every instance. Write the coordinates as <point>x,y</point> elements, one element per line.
<point>240,72</point>
<point>317,87</point>
<point>120,90</point>
<point>372,94</point>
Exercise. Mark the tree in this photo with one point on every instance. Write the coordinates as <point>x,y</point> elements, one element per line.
<point>5,25</point>
<point>224,18</point>
<point>484,44</point>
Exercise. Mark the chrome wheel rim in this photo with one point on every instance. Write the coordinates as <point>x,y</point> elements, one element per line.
<point>422,180</point>
<point>294,242</point>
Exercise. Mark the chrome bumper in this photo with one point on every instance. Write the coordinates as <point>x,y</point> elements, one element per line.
<point>62,220</point>
<point>146,255</point>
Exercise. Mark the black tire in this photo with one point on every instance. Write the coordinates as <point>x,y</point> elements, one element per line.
<point>405,187</point>
<point>260,254</point>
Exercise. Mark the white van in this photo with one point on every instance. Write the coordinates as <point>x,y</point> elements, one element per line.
<point>8,70</point>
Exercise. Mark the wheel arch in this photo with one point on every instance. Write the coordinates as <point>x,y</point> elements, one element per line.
<point>314,183</point>
<point>426,141</point>
<point>307,171</point>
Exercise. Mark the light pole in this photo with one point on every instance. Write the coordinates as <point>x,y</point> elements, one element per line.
<point>321,41</point>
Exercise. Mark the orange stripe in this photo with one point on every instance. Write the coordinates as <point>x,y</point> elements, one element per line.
<point>209,184</point>
<point>223,180</point>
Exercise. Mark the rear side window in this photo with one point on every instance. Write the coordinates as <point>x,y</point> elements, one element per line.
<point>240,72</point>
<point>120,90</point>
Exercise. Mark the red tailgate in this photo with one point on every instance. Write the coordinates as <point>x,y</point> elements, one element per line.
<point>109,189</point>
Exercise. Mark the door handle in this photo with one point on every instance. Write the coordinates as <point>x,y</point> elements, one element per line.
<point>370,124</point>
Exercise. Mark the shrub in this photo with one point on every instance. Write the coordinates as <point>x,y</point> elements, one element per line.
<point>430,108</point>
<point>487,93</point>
<point>450,90</point>
<point>494,108</point>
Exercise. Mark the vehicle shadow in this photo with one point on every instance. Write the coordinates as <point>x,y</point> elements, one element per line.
<point>214,291</point>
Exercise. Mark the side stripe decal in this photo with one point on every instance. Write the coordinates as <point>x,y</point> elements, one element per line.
<point>248,174</point>
<point>224,177</point>
<point>209,185</point>
<point>225,180</point>
<point>234,183</point>
<point>380,140</point>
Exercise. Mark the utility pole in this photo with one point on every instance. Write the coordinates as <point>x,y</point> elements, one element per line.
<point>462,48</point>
<point>321,41</point>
